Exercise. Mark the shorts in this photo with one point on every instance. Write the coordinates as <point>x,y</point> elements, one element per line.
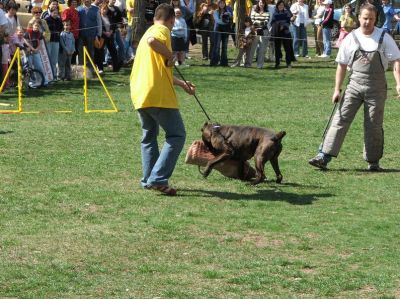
<point>178,44</point>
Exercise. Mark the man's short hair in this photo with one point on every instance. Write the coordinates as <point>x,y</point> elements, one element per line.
<point>369,7</point>
<point>164,12</point>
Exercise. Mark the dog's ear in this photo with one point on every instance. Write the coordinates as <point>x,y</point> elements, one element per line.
<point>215,128</point>
<point>279,136</point>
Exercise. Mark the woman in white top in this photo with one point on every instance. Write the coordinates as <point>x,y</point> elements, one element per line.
<point>300,20</point>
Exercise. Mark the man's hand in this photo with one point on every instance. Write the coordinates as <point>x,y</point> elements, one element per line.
<point>189,87</point>
<point>336,96</point>
<point>170,62</point>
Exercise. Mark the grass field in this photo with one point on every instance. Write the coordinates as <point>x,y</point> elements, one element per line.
<point>74,222</point>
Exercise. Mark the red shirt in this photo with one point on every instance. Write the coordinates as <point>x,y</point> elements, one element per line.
<point>72,15</point>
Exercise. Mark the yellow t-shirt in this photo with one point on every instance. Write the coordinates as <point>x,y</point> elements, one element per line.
<point>151,80</point>
<point>249,6</point>
<point>130,4</point>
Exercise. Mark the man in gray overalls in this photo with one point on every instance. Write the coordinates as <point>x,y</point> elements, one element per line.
<point>366,51</point>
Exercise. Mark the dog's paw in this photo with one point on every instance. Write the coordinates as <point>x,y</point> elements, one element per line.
<point>279,179</point>
<point>205,173</point>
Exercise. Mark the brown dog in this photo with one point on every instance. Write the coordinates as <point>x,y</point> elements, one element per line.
<point>241,143</point>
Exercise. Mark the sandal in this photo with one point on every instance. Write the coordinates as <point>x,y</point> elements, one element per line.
<point>164,189</point>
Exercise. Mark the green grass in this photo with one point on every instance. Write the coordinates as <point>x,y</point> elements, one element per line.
<point>75,223</point>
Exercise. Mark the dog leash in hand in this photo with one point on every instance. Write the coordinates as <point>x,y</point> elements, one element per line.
<point>201,106</point>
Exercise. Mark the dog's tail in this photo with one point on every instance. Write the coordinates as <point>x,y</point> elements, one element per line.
<point>278,136</point>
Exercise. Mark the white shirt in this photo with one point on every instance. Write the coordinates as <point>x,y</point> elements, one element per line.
<point>13,23</point>
<point>3,19</point>
<point>302,14</point>
<point>121,4</point>
<point>390,51</point>
<point>318,15</point>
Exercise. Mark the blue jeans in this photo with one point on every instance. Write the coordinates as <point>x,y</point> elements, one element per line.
<point>158,167</point>
<point>36,62</point>
<point>120,46</point>
<point>220,45</point>
<point>326,35</point>
<point>128,47</point>
<point>300,39</point>
<point>52,49</point>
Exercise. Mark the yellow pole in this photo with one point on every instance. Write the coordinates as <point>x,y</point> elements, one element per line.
<point>19,80</point>
<point>85,80</point>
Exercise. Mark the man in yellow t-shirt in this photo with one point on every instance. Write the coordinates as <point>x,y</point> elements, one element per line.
<point>153,95</point>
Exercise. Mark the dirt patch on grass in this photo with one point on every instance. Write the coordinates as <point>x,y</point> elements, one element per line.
<point>260,241</point>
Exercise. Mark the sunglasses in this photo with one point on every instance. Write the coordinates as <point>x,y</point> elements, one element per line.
<point>37,13</point>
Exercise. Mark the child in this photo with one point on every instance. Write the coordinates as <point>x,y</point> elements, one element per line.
<point>67,48</point>
<point>247,36</point>
<point>33,36</point>
<point>179,37</point>
<point>347,23</point>
<point>56,26</point>
<point>17,41</point>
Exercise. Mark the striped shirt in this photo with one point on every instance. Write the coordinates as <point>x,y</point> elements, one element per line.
<point>260,20</point>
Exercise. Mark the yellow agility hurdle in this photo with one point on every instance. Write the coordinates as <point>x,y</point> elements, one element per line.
<point>85,86</point>
<point>17,56</point>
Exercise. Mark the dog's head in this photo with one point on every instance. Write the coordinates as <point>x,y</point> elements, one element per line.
<point>207,132</point>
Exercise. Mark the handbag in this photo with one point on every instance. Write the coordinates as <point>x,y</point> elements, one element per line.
<point>99,43</point>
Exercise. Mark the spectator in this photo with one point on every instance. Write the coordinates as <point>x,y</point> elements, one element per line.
<point>260,18</point>
<point>318,12</point>
<point>90,26</point>
<point>43,27</point>
<point>223,19</point>
<point>50,6</point>
<point>204,23</point>
<point>116,20</point>
<point>347,23</point>
<point>327,25</point>
<point>247,36</point>
<point>179,36</point>
<point>71,14</point>
<point>17,41</point>
<point>67,49</point>
<point>150,8</point>
<point>389,13</point>
<point>192,38</point>
<point>281,34</point>
<point>56,26</point>
<point>108,36</point>
<point>3,35</point>
<point>300,20</point>
<point>12,18</point>
<point>33,36</point>
<point>130,48</point>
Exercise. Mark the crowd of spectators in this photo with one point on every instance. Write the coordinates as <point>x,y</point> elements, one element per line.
<point>60,33</point>
<point>105,28</point>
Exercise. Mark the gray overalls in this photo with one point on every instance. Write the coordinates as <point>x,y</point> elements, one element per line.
<point>367,86</point>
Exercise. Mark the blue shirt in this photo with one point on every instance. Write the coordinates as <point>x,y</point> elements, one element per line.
<point>389,12</point>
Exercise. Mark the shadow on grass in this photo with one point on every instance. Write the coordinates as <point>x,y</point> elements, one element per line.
<point>6,132</point>
<point>363,170</point>
<point>265,195</point>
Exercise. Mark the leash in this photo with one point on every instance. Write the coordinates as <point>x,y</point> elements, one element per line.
<point>198,101</point>
<point>330,118</point>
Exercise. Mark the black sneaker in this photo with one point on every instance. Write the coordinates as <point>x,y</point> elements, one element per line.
<point>374,167</point>
<point>319,162</point>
